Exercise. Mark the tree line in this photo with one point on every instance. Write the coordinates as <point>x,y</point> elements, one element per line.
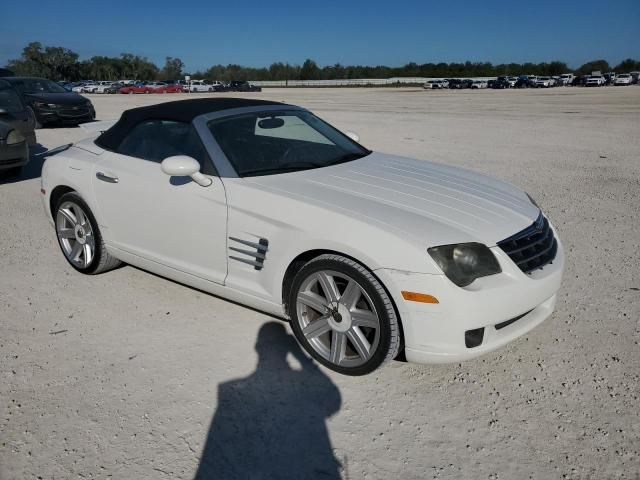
<point>59,63</point>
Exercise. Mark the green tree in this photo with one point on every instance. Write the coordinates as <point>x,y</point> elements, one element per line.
<point>628,65</point>
<point>309,70</point>
<point>172,69</point>
<point>593,66</point>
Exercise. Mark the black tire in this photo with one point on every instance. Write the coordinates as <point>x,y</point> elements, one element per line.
<point>101,261</point>
<point>389,343</point>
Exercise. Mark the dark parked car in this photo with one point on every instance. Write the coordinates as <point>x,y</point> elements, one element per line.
<point>580,81</point>
<point>16,129</point>
<point>51,103</point>
<point>241,86</point>
<point>501,82</point>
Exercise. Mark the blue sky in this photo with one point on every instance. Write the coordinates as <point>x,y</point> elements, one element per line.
<point>257,33</point>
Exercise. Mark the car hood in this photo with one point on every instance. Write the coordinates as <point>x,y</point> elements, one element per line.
<point>68,98</point>
<point>418,198</point>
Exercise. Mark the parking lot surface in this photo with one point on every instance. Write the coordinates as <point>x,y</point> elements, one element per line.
<point>129,375</point>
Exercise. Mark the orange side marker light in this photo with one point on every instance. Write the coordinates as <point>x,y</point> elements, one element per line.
<point>419,297</point>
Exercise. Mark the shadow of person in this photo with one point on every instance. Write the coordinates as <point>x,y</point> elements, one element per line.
<point>271,424</point>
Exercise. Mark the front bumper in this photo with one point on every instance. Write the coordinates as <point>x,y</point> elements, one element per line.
<point>438,333</point>
<point>67,115</point>
<point>12,156</point>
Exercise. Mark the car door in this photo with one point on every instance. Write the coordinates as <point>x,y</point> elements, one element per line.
<point>169,220</point>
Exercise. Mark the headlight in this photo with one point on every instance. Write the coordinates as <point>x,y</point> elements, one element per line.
<point>464,262</point>
<point>14,137</point>
<point>44,105</point>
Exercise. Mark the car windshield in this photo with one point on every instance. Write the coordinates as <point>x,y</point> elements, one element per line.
<point>39,85</point>
<point>9,100</point>
<point>267,143</point>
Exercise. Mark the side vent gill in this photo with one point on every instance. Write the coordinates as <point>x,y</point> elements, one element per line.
<point>255,256</point>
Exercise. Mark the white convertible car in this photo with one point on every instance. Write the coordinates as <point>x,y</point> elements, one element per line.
<point>370,256</point>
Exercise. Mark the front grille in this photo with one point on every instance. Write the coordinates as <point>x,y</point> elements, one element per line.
<point>73,112</point>
<point>532,248</point>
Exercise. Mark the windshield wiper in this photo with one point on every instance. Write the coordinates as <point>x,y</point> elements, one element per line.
<point>285,167</point>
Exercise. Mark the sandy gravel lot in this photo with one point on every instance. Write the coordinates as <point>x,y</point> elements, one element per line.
<point>120,375</point>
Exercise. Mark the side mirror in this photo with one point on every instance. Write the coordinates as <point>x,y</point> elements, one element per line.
<point>352,136</point>
<point>185,166</point>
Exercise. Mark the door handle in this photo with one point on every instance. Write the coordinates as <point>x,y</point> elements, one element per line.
<point>106,178</point>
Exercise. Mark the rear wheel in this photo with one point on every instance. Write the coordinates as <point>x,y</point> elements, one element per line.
<point>343,316</point>
<point>79,236</point>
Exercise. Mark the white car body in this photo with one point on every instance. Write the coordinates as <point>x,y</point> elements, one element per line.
<point>102,86</point>
<point>388,211</point>
<point>623,79</point>
<point>544,82</point>
<point>435,84</point>
<point>595,81</point>
<point>93,87</point>
<point>199,86</point>
<point>566,78</point>
<point>479,84</point>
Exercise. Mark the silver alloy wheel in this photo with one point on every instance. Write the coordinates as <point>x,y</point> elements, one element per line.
<point>75,234</point>
<point>338,318</point>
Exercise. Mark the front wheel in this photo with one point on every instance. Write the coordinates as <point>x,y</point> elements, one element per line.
<point>79,236</point>
<point>343,316</point>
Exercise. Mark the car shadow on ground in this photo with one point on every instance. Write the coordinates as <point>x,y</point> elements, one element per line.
<point>272,424</point>
<point>33,169</point>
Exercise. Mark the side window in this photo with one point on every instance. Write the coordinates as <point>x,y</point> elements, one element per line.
<point>155,140</point>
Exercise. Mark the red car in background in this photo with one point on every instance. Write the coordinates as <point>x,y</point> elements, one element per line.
<point>136,88</point>
<point>153,87</point>
<point>170,88</point>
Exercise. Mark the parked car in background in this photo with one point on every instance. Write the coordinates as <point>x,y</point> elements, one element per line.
<point>196,86</point>
<point>93,87</point>
<point>140,87</point>
<point>580,80</point>
<point>566,79</point>
<point>595,81</point>
<point>51,103</point>
<point>635,77</point>
<point>169,88</point>
<point>609,78</point>
<point>113,88</point>
<point>17,129</point>
<point>477,84</point>
<point>544,82</point>
<point>623,79</point>
<point>107,87</point>
<point>522,82</point>
<point>243,86</point>
<point>435,84</point>
<point>501,82</point>
<point>512,81</point>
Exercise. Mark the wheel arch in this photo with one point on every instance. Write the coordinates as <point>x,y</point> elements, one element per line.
<point>56,194</point>
<point>303,258</point>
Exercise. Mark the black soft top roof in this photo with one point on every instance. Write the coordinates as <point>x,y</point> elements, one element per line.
<point>178,111</point>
